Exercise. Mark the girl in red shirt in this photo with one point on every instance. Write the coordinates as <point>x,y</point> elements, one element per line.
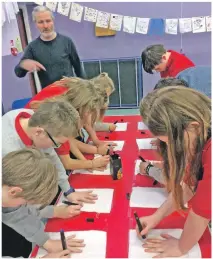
<point>180,118</point>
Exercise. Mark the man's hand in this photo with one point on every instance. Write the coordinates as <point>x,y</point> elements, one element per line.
<point>31,65</point>
<point>87,197</point>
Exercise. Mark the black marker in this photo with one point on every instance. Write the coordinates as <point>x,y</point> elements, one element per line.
<point>115,122</point>
<point>140,228</point>
<point>63,240</point>
<point>69,203</point>
<point>142,159</point>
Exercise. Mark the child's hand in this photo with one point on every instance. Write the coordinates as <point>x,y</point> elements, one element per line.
<point>102,149</point>
<point>73,245</point>
<point>112,127</point>
<point>63,254</point>
<point>142,167</point>
<point>100,161</point>
<point>65,212</point>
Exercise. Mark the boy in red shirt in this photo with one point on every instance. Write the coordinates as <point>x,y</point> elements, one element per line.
<point>168,62</point>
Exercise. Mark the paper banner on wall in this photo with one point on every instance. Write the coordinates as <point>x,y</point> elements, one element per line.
<point>115,22</point>
<point>64,8</point>
<point>52,6</point>
<point>129,24</point>
<point>142,25</point>
<point>11,15</point>
<point>171,26</point>
<point>103,19</point>
<point>156,27</point>
<point>208,23</point>
<point>15,7</point>
<point>38,2</point>
<point>90,14</point>
<point>3,17</point>
<point>185,25</point>
<point>76,12</point>
<point>198,24</point>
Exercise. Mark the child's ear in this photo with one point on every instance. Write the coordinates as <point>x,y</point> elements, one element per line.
<point>39,131</point>
<point>13,191</point>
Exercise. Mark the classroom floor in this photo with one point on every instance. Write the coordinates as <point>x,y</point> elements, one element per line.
<point>122,112</point>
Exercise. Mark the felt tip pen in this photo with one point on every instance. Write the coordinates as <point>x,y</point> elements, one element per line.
<point>142,159</point>
<point>115,122</point>
<point>140,228</point>
<point>63,240</point>
<point>69,203</point>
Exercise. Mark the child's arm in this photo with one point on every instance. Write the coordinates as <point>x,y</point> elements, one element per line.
<point>75,150</point>
<point>93,135</point>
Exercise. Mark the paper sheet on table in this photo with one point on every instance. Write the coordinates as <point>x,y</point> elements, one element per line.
<point>137,251</point>
<point>121,126</point>
<point>95,243</point>
<point>102,205</point>
<point>145,143</point>
<point>147,197</point>
<point>137,164</point>
<point>119,146</point>
<point>95,172</point>
<point>142,126</point>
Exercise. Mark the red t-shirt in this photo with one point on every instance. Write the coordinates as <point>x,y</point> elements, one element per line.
<point>201,201</point>
<point>176,63</point>
<point>48,92</point>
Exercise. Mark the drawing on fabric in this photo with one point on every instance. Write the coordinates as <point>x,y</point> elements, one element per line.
<point>185,25</point>
<point>208,23</point>
<point>115,22</point>
<point>129,24</point>
<point>103,19</point>
<point>63,8</point>
<point>90,14</point>
<point>52,6</point>
<point>171,26</point>
<point>76,12</point>
<point>198,24</point>
<point>142,25</point>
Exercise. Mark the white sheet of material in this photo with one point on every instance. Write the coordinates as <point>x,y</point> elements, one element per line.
<point>121,126</point>
<point>95,244</point>
<point>102,205</point>
<point>137,251</point>
<point>142,126</point>
<point>145,143</point>
<point>148,197</point>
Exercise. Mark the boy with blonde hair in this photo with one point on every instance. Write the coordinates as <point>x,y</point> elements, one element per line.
<point>51,125</point>
<point>28,177</point>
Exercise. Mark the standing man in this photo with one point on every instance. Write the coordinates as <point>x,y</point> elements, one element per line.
<point>168,62</point>
<point>51,54</point>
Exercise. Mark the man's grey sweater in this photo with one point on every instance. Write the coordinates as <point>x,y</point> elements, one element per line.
<point>59,56</point>
<point>24,219</point>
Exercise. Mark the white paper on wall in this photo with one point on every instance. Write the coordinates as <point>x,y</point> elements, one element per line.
<point>95,243</point>
<point>121,126</point>
<point>3,17</point>
<point>115,22</point>
<point>76,12</point>
<point>103,19</point>
<point>90,14</point>
<point>208,23</point>
<point>102,205</point>
<point>148,197</point>
<point>198,24</point>
<point>142,25</point>
<point>145,143</point>
<point>185,25</point>
<point>137,165</point>
<point>15,7</point>
<point>52,6</point>
<point>142,126</point>
<point>11,15</point>
<point>137,251</point>
<point>171,26</point>
<point>64,8</point>
<point>38,2</point>
<point>129,24</point>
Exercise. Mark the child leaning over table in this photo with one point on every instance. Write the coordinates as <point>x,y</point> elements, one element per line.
<point>29,178</point>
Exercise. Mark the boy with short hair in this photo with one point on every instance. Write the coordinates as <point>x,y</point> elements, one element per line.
<point>168,62</point>
<point>28,177</point>
<point>49,126</point>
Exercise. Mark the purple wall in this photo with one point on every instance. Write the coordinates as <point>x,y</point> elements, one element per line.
<point>195,46</point>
